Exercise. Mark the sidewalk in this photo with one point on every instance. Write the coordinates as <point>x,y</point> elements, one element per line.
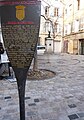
<point>59,98</point>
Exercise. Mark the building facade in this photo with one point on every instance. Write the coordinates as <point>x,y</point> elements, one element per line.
<point>51,21</point>
<point>73,22</point>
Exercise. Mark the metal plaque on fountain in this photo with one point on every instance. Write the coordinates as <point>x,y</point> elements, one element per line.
<point>20,21</point>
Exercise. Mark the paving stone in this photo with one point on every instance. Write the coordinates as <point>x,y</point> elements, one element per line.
<point>52,119</point>
<point>12,110</point>
<point>8,97</point>
<point>36,100</point>
<point>72,106</point>
<point>32,104</point>
<point>73,116</point>
<point>80,114</point>
<point>27,98</point>
<point>11,103</point>
<point>80,119</point>
<point>33,118</point>
<point>48,115</point>
<point>58,98</point>
<point>31,113</point>
<point>42,99</point>
<point>7,117</point>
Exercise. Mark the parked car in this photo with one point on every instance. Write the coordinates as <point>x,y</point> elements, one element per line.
<point>40,49</point>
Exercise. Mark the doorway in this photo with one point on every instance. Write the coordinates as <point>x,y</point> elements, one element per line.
<point>81,46</point>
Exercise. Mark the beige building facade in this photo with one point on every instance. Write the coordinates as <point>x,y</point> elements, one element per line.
<point>51,21</point>
<point>73,22</point>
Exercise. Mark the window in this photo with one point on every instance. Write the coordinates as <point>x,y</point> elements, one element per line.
<point>46,10</point>
<point>78,4</point>
<point>69,28</point>
<point>56,12</point>
<point>60,29</point>
<point>81,25</point>
<point>55,27</point>
<point>65,11</point>
<point>47,26</point>
<point>65,30</point>
<point>70,7</point>
<point>76,25</point>
<point>72,27</point>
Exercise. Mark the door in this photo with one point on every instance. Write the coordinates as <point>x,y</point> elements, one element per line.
<point>82,47</point>
<point>57,47</point>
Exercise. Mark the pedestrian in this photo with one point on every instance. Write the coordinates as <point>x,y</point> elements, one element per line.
<point>1,49</point>
<point>1,65</point>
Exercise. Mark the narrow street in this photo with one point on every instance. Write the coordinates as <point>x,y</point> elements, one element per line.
<point>57,98</point>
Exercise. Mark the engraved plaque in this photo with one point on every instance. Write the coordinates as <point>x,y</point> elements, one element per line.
<point>20,27</point>
<point>20,21</point>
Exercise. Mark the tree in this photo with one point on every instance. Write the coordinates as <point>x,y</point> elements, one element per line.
<point>53,23</point>
<point>35,63</point>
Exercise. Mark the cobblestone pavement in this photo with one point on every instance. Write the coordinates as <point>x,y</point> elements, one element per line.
<point>57,98</point>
